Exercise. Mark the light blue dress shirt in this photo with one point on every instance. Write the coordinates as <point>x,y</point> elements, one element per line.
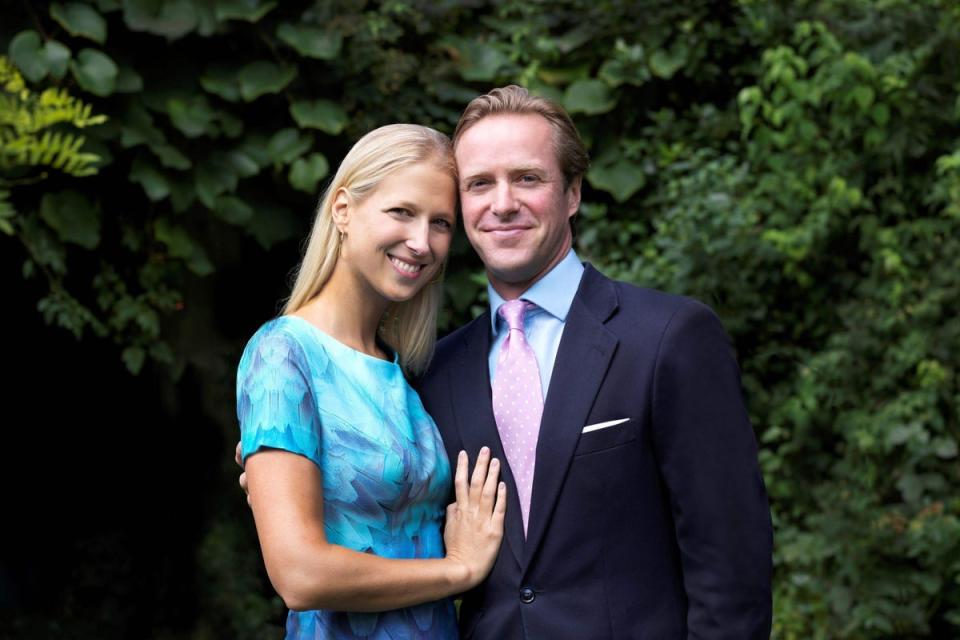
<point>553,294</point>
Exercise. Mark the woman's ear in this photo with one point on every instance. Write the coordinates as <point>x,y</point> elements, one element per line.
<point>342,205</point>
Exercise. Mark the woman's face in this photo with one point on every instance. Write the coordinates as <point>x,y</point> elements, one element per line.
<point>396,239</point>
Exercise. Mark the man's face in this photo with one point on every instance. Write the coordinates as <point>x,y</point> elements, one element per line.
<point>515,207</point>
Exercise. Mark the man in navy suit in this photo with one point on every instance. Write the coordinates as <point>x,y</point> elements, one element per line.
<point>647,516</point>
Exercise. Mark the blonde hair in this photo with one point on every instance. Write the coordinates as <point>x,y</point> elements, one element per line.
<point>408,327</point>
<point>515,100</point>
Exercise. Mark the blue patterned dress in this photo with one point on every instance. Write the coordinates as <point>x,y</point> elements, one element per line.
<point>385,474</point>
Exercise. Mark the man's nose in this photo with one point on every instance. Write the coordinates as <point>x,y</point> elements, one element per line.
<point>504,202</point>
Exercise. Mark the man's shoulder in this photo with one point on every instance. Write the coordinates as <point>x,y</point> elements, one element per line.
<point>633,298</point>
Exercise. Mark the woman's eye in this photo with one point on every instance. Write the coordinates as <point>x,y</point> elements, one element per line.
<point>443,223</point>
<point>400,211</point>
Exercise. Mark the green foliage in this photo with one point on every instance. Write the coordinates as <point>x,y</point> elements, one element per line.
<point>27,121</point>
<point>795,165</point>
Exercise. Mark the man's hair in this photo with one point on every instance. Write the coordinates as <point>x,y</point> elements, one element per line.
<point>571,153</point>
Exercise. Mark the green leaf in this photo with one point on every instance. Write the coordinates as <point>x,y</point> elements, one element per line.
<point>221,81</point>
<point>306,173</point>
<point>272,224</point>
<point>287,145</point>
<point>133,358</point>
<point>621,179</point>
<point>170,18</point>
<point>80,20</point>
<point>128,81</point>
<point>863,96</point>
<point>200,262</point>
<point>154,183</point>
<point>559,76</point>
<point>176,238</point>
<point>74,218</point>
<point>183,193</point>
<point>880,114</point>
<point>243,163</point>
<point>95,72</point>
<point>181,245</point>
<point>57,56</point>
<point>618,72</point>
<point>254,147</point>
<point>475,60</point>
<point>312,42</point>
<point>232,210</point>
<point>171,157</point>
<point>911,487</point>
<point>25,51</point>
<point>664,64</point>
<point>193,116</point>
<point>945,448</point>
<point>214,177</point>
<point>230,126</point>
<point>249,10</point>
<point>325,115</point>
<point>589,96</point>
<point>262,77</point>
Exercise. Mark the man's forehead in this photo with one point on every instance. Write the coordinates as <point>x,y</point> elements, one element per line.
<point>506,142</point>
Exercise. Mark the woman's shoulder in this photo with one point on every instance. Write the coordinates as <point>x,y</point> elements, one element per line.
<point>284,340</point>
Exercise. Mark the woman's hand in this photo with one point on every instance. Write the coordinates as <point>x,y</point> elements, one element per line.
<point>474,526</point>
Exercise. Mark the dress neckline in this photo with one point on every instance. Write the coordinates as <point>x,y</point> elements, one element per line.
<point>328,339</point>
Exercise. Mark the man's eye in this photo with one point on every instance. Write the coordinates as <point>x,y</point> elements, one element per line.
<point>477,184</point>
<point>529,178</point>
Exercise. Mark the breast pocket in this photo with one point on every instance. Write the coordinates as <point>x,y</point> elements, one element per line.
<point>606,435</point>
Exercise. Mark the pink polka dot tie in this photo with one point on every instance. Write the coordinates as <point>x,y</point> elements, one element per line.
<point>518,402</point>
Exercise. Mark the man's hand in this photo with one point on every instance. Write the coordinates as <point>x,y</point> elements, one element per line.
<point>243,474</point>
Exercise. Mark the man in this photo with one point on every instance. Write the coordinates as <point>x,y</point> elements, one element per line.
<point>638,509</point>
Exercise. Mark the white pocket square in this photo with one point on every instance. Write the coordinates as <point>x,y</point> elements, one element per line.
<point>604,425</point>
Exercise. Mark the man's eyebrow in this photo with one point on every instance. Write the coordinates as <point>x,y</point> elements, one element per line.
<point>533,168</point>
<point>474,176</point>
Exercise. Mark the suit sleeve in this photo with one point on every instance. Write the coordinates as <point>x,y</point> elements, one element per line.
<point>707,453</point>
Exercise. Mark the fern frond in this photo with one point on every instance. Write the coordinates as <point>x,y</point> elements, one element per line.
<point>10,78</point>
<point>53,149</point>
<point>30,123</point>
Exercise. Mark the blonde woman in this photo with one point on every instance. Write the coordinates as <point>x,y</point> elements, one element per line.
<point>346,473</point>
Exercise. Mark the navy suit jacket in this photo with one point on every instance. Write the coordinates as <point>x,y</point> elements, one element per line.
<point>655,528</point>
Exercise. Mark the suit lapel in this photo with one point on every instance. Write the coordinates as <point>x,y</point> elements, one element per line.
<point>473,407</point>
<point>581,363</point>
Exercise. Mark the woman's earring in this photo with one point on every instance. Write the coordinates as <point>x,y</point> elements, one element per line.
<point>339,242</point>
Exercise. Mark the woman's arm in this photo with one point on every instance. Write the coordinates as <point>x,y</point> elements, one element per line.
<point>310,573</point>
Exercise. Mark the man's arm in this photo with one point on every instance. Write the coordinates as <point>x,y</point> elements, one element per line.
<point>708,457</point>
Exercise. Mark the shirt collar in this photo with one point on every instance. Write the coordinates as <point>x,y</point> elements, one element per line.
<point>553,293</point>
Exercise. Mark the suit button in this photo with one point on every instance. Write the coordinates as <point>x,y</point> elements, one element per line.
<point>527,595</point>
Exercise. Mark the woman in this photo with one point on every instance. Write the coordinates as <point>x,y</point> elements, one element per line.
<point>346,472</point>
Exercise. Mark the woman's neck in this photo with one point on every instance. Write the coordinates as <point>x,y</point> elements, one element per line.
<point>346,310</point>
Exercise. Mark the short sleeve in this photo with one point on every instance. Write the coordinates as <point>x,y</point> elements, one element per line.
<point>276,406</point>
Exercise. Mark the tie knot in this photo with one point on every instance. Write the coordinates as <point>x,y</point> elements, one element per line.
<point>513,311</point>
